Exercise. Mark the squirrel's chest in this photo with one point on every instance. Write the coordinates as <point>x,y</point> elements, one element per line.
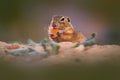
<point>66,36</point>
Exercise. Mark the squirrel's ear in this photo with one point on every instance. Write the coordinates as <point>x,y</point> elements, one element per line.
<point>68,19</point>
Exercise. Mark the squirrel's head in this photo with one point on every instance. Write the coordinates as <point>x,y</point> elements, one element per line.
<point>60,21</point>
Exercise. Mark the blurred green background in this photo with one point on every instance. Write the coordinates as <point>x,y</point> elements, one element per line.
<point>24,19</point>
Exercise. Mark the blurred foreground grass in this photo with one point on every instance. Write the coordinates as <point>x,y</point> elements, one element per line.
<point>109,70</point>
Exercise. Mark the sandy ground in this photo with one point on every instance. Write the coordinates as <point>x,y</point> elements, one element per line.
<point>66,54</point>
<point>97,62</point>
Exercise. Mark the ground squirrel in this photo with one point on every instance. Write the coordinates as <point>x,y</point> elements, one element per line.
<point>61,30</point>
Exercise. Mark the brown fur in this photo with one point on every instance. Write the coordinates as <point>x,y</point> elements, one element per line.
<point>68,32</point>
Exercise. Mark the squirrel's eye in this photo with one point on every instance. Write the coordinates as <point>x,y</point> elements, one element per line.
<point>62,19</point>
